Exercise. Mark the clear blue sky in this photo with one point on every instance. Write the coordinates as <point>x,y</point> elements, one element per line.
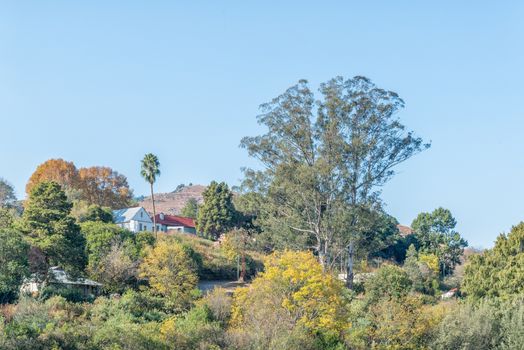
<point>104,82</point>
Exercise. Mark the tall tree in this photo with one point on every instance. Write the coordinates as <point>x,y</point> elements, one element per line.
<point>7,194</point>
<point>190,209</point>
<point>217,214</point>
<point>58,170</point>
<point>150,171</point>
<point>105,187</point>
<point>324,166</point>
<point>51,229</point>
<point>436,234</point>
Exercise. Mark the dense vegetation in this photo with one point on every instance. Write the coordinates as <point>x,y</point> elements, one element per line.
<point>320,263</point>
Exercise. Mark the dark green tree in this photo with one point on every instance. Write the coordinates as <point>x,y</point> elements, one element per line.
<point>97,213</point>
<point>51,229</point>
<point>435,233</point>
<point>100,237</point>
<point>497,272</point>
<point>190,209</point>
<point>13,264</point>
<point>150,170</point>
<point>326,160</point>
<point>217,215</point>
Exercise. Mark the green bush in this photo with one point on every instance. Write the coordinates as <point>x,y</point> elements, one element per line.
<point>69,294</point>
<point>488,324</point>
<point>389,281</point>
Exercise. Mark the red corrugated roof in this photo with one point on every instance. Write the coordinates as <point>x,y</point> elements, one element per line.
<point>175,220</point>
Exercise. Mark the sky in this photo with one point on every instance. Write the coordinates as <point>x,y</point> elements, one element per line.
<point>104,82</point>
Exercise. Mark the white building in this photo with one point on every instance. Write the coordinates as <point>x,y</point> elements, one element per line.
<point>59,278</point>
<point>134,219</point>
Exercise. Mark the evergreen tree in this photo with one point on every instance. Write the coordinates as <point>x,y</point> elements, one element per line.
<point>325,161</point>
<point>51,229</point>
<point>190,209</point>
<point>217,214</point>
<point>436,234</point>
<point>498,272</point>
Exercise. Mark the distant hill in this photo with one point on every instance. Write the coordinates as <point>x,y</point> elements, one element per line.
<point>173,202</point>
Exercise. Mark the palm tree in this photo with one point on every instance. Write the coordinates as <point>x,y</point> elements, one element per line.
<point>150,171</point>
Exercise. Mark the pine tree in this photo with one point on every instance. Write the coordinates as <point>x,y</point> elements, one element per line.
<point>52,231</point>
<point>217,215</point>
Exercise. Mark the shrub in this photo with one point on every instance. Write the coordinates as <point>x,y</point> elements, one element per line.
<point>389,281</point>
<point>293,296</point>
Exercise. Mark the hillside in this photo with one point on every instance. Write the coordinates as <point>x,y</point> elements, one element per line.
<point>173,202</point>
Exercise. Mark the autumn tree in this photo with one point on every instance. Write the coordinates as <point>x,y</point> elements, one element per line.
<point>105,187</point>
<point>217,215</point>
<point>170,271</point>
<point>325,161</point>
<point>435,233</point>
<point>51,229</point>
<point>7,194</point>
<point>58,170</point>
<point>150,170</point>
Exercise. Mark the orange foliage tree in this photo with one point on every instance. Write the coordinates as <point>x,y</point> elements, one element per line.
<point>58,170</point>
<point>105,187</point>
<point>95,185</point>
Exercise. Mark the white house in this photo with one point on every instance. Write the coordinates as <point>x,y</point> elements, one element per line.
<point>134,219</point>
<point>59,278</point>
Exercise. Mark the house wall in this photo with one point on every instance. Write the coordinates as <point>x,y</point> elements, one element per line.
<point>181,229</point>
<point>134,226</point>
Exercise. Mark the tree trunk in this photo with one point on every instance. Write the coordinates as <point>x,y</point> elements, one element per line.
<point>243,267</point>
<point>349,272</point>
<point>154,211</point>
<point>322,256</point>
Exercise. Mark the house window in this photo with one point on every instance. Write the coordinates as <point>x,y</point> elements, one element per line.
<point>140,227</point>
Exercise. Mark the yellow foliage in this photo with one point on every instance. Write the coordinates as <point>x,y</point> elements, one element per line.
<point>169,270</point>
<point>229,247</point>
<point>431,260</point>
<point>168,327</point>
<point>295,283</point>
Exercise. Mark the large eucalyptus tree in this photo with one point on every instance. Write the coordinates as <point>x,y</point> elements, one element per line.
<point>325,161</point>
